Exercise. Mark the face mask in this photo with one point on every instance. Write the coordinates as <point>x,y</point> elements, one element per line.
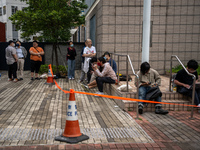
<point>99,64</point>
<point>17,44</point>
<point>105,58</point>
<point>72,45</point>
<point>13,45</point>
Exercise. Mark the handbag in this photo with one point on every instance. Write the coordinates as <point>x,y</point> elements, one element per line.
<point>153,93</point>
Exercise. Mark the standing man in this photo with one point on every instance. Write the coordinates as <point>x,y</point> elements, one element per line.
<point>11,59</point>
<point>36,59</point>
<point>89,52</point>
<point>21,54</point>
<point>71,54</point>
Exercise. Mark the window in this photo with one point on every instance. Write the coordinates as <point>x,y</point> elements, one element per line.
<point>14,28</point>
<point>4,10</point>
<point>0,11</point>
<point>14,9</point>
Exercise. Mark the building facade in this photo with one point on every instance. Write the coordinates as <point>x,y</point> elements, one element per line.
<point>116,26</point>
<point>7,8</point>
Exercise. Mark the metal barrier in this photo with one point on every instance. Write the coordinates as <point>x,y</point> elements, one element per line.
<point>194,81</point>
<point>118,66</point>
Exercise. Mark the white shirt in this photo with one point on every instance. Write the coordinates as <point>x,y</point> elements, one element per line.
<point>87,50</point>
<point>91,50</point>
<point>19,52</point>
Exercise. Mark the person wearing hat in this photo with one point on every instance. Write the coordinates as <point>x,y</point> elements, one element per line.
<point>11,60</point>
<point>36,59</point>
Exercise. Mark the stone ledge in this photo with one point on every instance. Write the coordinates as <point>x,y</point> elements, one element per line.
<point>170,97</point>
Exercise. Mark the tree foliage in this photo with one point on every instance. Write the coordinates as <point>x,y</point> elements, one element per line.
<point>53,19</point>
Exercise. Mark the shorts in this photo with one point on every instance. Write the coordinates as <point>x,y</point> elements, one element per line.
<point>35,66</point>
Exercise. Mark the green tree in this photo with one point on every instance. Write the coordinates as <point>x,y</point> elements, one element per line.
<point>53,19</point>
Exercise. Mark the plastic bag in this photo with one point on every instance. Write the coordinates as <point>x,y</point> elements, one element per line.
<point>123,88</point>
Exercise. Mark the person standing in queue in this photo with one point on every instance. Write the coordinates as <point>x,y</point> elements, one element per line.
<point>36,59</point>
<point>11,59</point>
<point>71,54</point>
<point>21,54</point>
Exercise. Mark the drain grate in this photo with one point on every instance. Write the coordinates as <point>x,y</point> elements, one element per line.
<point>50,134</point>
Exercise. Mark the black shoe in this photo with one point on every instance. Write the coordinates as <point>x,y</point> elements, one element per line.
<point>32,78</point>
<point>159,110</point>
<point>140,109</point>
<point>20,79</point>
<point>37,78</point>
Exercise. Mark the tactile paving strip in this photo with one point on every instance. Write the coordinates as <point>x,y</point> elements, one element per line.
<point>49,134</point>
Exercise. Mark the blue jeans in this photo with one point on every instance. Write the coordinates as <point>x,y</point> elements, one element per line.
<point>71,68</point>
<point>142,95</point>
<point>188,92</point>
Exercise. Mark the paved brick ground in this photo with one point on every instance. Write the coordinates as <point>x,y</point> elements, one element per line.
<point>34,105</point>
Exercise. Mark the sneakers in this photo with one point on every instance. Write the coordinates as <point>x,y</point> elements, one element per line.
<point>159,110</point>
<point>198,105</point>
<point>9,79</point>
<point>20,79</point>
<point>37,78</point>
<point>101,93</point>
<point>80,81</point>
<point>32,78</point>
<point>85,87</point>
<point>72,78</point>
<point>140,109</point>
<point>15,80</point>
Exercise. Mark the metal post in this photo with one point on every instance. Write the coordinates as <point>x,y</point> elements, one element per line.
<point>127,73</point>
<point>118,72</point>
<point>193,96</point>
<point>137,96</point>
<point>146,30</point>
<point>170,78</point>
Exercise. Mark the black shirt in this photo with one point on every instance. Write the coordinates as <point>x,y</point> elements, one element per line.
<point>71,52</point>
<point>183,77</point>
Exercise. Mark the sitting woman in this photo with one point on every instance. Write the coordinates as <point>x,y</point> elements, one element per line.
<point>106,76</point>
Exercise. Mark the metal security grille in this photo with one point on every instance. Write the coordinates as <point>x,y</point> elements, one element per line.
<point>50,134</point>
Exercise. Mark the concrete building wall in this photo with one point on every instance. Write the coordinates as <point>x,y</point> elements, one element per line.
<point>175,30</point>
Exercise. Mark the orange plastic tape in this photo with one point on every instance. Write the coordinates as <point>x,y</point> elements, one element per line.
<point>119,98</point>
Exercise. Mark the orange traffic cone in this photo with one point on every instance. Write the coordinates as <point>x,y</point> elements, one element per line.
<point>72,133</point>
<point>50,77</point>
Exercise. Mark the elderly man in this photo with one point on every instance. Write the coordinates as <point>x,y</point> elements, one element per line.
<point>88,53</point>
<point>11,59</point>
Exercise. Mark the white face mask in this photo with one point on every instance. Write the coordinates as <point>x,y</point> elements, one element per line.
<point>14,45</point>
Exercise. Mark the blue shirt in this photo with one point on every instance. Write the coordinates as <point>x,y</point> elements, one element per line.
<point>114,65</point>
